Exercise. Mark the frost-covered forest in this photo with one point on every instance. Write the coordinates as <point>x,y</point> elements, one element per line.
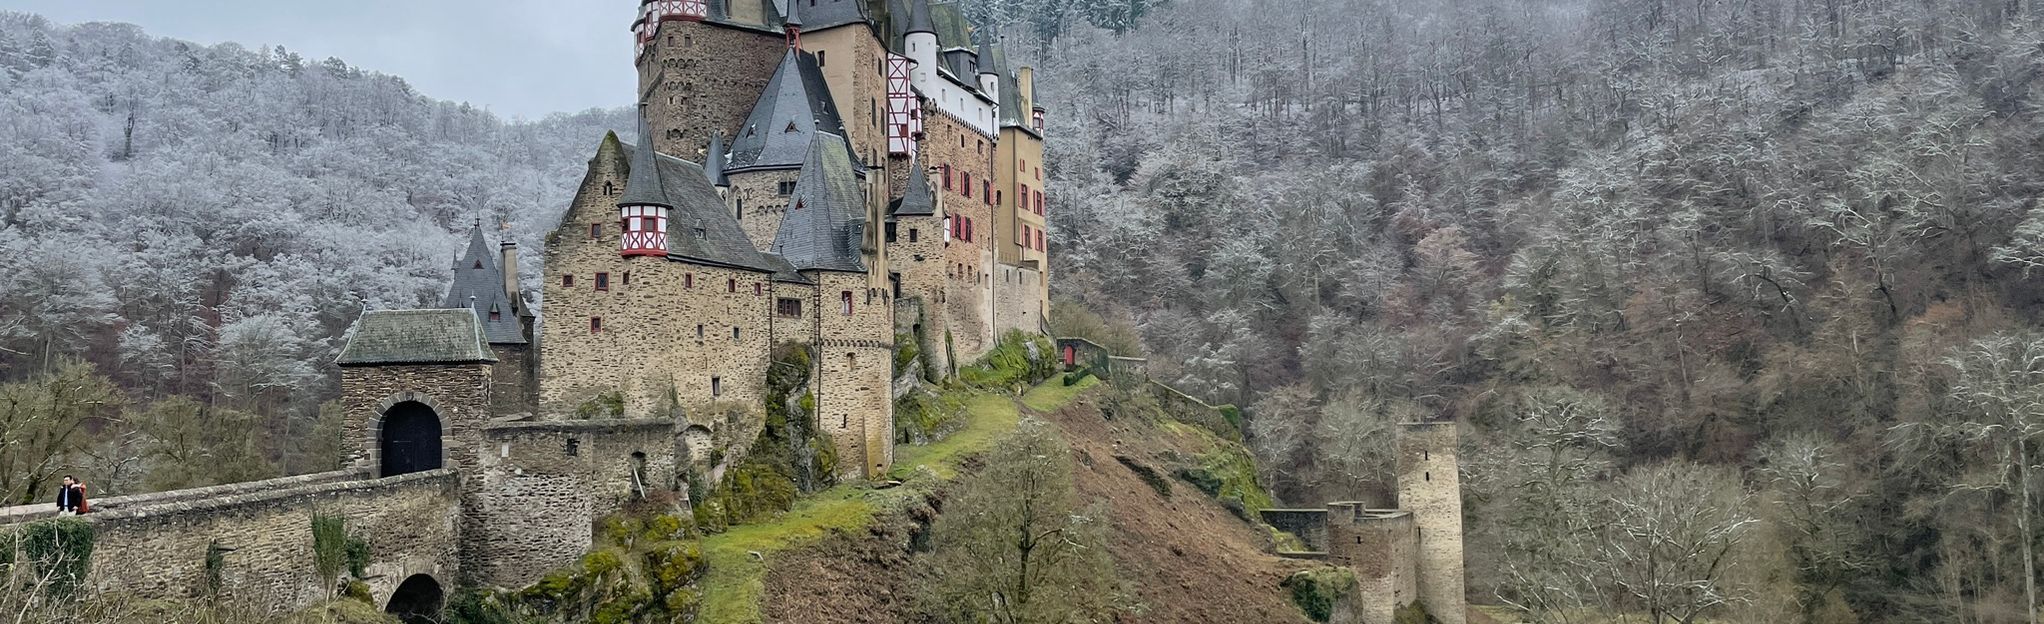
<point>201,225</point>
<point>1737,299</point>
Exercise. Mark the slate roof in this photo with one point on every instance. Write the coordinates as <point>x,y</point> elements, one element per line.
<point>644,189</point>
<point>720,13</point>
<point>479,285</point>
<point>795,106</point>
<point>442,336</point>
<point>919,19</point>
<point>713,165</point>
<point>953,30</point>
<point>697,208</point>
<point>785,272</point>
<point>823,224</point>
<point>917,200</point>
<point>820,14</point>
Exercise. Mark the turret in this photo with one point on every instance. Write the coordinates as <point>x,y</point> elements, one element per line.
<point>642,210</point>
<point>653,12</point>
<point>989,72</point>
<point>1025,83</point>
<point>921,40</point>
<point>713,164</point>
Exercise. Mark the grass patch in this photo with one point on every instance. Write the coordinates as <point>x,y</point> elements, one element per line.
<point>1225,471</point>
<point>1049,396</point>
<point>731,590</point>
<point>1316,592</point>
<point>989,416</point>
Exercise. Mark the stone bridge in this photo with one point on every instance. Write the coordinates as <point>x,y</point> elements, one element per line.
<point>155,546</point>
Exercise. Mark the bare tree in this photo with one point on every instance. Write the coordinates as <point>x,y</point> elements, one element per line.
<point>1671,539</point>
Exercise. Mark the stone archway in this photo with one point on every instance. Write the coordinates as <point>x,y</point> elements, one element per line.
<point>409,439</point>
<point>417,600</point>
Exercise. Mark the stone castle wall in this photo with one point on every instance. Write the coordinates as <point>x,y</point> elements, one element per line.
<point>539,484</point>
<point>1379,545</point>
<point>692,78</point>
<point>968,264</point>
<point>1430,487</point>
<point>854,374</point>
<point>918,259</point>
<point>756,198</point>
<point>1018,300</point>
<point>513,379</point>
<point>672,335</point>
<point>158,551</point>
<point>851,61</point>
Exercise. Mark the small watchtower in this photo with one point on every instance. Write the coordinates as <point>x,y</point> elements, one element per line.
<point>415,388</point>
<point>1430,487</point>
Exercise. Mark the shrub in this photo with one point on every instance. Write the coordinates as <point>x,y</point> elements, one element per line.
<point>59,549</point>
<point>1318,591</point>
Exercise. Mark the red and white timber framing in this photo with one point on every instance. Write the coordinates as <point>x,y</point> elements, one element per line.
<point>904,117</point>
<point>666,10</point>
<point>645,230</point>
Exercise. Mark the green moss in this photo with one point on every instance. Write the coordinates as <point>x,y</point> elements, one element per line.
<point>732,588</point>
<point>1050,397</point>
<point>605,405</point>
<point>1316,592</point>
<point>1008,366</point>
<point>1226,472</point>
<point>1415,613</point>
<point>59,549</point>
<point>990,416</point>
<point>905,352</point>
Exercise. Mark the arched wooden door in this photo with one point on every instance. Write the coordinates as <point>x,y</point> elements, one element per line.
<point>410,439</point>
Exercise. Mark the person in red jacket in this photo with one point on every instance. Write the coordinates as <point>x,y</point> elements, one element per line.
<point>71,497</point>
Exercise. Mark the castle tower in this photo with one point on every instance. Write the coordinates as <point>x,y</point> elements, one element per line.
<point>415,387</point>
<point>794,109</point>
<point>989,71</point>
<point>921,41</point>
<point>642,210</point>
<point>700,62</point>
<point>1429,486</point>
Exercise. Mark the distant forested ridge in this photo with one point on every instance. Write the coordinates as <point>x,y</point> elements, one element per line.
<point>1760,274</point>
<point>206,222</point>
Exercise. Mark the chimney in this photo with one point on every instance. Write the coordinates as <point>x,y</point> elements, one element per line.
<point>510,267</point>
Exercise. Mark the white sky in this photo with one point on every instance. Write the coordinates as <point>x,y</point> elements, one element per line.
<point>518,58</point>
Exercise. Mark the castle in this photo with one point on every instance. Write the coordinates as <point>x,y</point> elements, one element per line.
<point>838,174</point>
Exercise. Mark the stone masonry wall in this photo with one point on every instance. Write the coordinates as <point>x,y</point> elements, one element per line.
<point>159,551</point>
<point>1378,545</point>
<point>673,334</point>
<point>512,379</point>
<point>855,364</point>
<point>1018,304</point>
<point>850,58</point>
<point>1430,487</point>
<point>458,393</point>
<point>917,257</point>
<point>540,484</point>
<point>968,264</point>
<point>699,79</point>
<point>756,198</point>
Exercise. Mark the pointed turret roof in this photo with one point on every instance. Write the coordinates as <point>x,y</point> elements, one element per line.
<point>919,18</point>
<point>479,284</point>
<point>795,106</point>
<point>917,200</point>
<point>824,222</point>
<point>713,161</point>
<point>643,186</point>
<point>986,58</point>
<point>788,14</point>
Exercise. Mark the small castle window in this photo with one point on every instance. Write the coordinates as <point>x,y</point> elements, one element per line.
<point>699,332</point>
<point>821,58</point>
<point>758,289</point>
<point>716,386</point>
<point>496,315</point>
<point>739,212</point>
<point>603,281</point>
<point>737,333</point>
<point>567,281</point>
<point>673,133</point>
<point>844,421</point>
<point>891,232</point>
<point>702,234</point>
<point>479,264</point>
<point>731,285</point>
<point>790,128</point>
<point>627,278</point>
<point>788,307</point>
<point>688,280</point>
<point>595,324</point>
<point>574,447</point>
<point>609,188</point>
<point>845,302</point>
<point>787,187</point>
<point>595,230</point>
<point>912,235</point>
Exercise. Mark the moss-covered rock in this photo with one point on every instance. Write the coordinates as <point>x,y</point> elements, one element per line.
<point>1318,592</point>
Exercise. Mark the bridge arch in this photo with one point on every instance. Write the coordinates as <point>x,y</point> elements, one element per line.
<point>417,600</point>
<point>408,439</point>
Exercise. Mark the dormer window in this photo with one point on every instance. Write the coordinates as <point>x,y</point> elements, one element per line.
<point>701,234</point>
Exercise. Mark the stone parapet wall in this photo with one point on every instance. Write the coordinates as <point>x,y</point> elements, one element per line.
<point>1309,525</point>
<point>39,511</point>
<point>158,551</point>
<point>1379,545</point>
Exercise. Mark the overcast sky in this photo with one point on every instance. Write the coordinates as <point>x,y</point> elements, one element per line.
<point>519,58</point>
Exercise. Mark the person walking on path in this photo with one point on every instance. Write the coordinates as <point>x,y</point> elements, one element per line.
<point>71,497</point>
